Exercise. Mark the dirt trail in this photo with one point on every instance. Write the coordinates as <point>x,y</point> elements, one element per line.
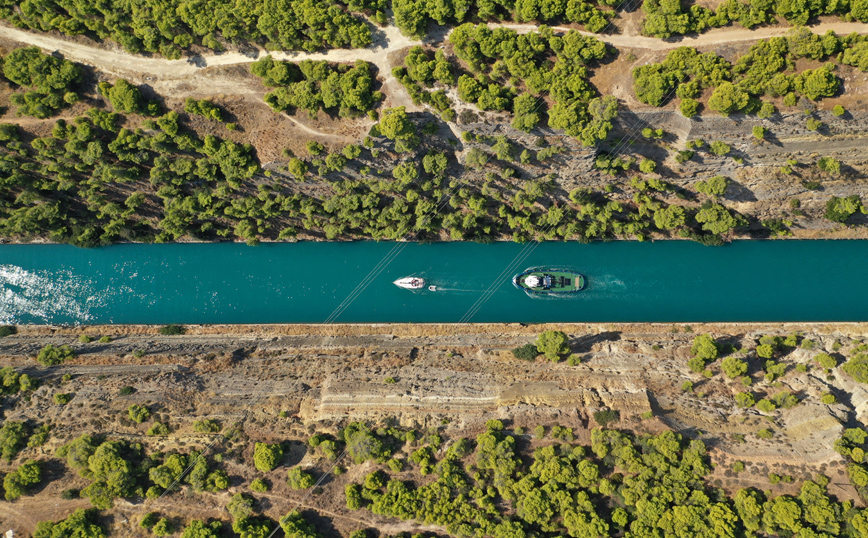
<point>386,40</point>
<point>712,37</point>
<point>115,61</point>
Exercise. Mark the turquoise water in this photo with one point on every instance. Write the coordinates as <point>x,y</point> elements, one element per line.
<point>307,282</point>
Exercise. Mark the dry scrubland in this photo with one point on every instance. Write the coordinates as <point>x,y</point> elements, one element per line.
<point>291,382</point>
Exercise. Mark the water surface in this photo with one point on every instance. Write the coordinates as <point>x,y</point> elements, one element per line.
<point>665,281</point>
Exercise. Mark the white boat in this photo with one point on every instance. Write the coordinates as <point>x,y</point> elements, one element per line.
<point>410,283</point>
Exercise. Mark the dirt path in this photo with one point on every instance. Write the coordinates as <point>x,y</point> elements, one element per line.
<point>115,61</point>
<point>712,37</point>
<point>386,40</point>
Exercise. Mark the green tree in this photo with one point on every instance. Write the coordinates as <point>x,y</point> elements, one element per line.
<point>51,355</point>
<point>841,209</point>
<point>80,524</point>
<point>745,399</point>
<point>199,529</point>
<point>728,98</point>
<point>17,482</point>
<point>267,456</point>
<point>553,344</point>
<point>733,367</point>
<point>299,479</point>
<point>705,347</point>
<point>715,186</point>
<point>138,413</point>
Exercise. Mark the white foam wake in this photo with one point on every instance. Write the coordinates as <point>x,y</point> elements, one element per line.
<point>46,296</point>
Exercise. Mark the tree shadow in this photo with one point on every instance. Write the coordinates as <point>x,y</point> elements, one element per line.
<point>583,344</point>
<point>322,523</point>
<point>737,192</point>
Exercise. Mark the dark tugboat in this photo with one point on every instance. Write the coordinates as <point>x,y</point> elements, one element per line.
<point>546,281</point>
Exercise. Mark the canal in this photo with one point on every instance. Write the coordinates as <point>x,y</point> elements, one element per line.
<point>664,281</point>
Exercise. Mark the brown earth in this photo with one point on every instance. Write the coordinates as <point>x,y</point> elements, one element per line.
<point>447,378</point>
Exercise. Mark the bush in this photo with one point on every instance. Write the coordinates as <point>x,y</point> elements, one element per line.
<point>80,524</point>
<point>857,367</point>
<point>745,399</point>
<point>138,413</point>
<point>838,110</point>
<point>158,429</point>
<point>527,352</point>
<point>172,330</point>
<point>826,361</point>
<point>299,479</point>
<point>267,456</point>
<point>606,416</point>
<point>766,406</point>
<point>258,485</point>
<point>733,367</point>
<point>51,355</point>
<point>19,481</point>
<point>62,399</point>
<point>206,426</point>
<point>8,330</point>
<point>719,148</point>
<point>704,347</point>
<point>841,209</point>
<point>715,186</point>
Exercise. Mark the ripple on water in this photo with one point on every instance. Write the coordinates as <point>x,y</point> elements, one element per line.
<point>47,296</point>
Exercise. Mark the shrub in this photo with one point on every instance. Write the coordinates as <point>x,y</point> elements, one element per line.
<point>828,399</point>
<point>857,367</point>
<point>765,434</point>
<point>172,330</point>
<point>62,399</point>
<point>51,355</point>
<point>715,186</point>
<point>719,148</point>
<point>149,520</point>
<point>19,481</point>
<point>766,406</point>
<point>838,110</point>
<point>745,399</point>
<point>258,485</point>
<point>704,347</point>
<point>158,429</point>
<point>85,339</point>
<point>759,132</point>
<point>826,361</point>
<point>733,367</point>
<point>8,330</point>
<point>138,413</point>
<point>604,417</point>
<point>841,209</point>
<point>162,528</point>
<point>206,426</point>
<point>267,456</point>
<point>299,479</point>
<point>829,164</point>
<point>765,351</point>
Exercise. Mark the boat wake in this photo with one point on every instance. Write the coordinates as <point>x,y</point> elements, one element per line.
<point>46,297</point>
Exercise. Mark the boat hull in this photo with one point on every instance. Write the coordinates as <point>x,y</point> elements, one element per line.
<point>410,283</point>
<point>549,281</point>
